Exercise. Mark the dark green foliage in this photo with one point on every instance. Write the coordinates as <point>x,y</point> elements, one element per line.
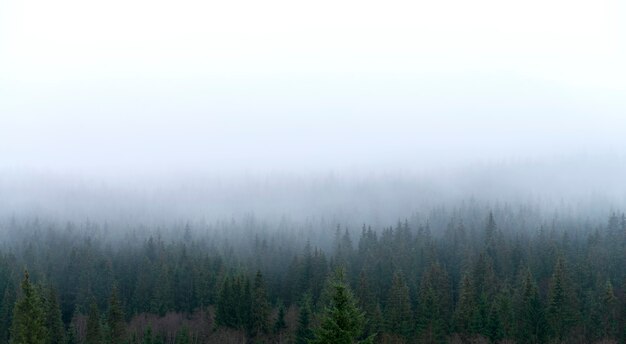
<point>434,306</point>
<point>234,304</point>
<point>398,313</point>
<point>115,319</point>
<point>304,333</point>
<point>342,321</point>
<point>280,324</point>
<point>466,307</point>
<point>29,320</point>
<point>6,311</point>
<point>464,278</point>
<point>94,327</point>
<point>182,337</point>
<point>562,311</point>
<point>529,313</point>
<point>260,307</point>
<point>53,322</point>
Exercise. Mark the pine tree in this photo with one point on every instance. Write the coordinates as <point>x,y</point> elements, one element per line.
<point>434,302</point>
<point>466,307</point>
<point>28,325</point>
<point>94,330</point>
<point>342,321</point>
<point>304,333</point>
<point>562,312</point>
<point>529,311</point>
<point>54,323</point>
<point>609,316</point>
<point>398,312</point>
<point>115,319</point>
<point>369,304</point>
<point>260,306</point>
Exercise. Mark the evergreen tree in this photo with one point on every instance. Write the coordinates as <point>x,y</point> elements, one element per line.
<point>466,307</point>
<point>369,304</point>
<point>399,315</point>
<point>304,333</point>
<point>609,313</point>
<point>342,321</point>
<point>115,319</point>
<point>260,306</point>
<point>54,323</point>
<point>562,313</point>
<point>28,326</point>
<point>94,330</point>
<point>529,311</point>
<point>434,302</point>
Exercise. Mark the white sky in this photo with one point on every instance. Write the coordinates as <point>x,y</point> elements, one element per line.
<point>133,84</point>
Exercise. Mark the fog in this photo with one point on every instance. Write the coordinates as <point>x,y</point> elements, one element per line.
<point>350,111</point>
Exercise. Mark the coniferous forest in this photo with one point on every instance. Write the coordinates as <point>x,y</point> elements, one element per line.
<point>466,275</point>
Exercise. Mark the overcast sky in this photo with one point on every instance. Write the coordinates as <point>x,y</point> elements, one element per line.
<point>123,85</point>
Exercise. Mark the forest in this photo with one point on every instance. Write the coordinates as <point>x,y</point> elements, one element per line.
<point>468,274</point>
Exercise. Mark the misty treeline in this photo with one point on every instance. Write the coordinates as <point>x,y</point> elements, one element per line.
<point>463,275</point>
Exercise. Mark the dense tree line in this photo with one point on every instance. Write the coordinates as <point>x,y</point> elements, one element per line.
<point>431,281</point>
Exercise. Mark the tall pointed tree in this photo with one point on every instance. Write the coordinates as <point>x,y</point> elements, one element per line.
<point>115,319</point>
<point>342,321</point>
<point>562,313</point>
<point>304,333</point>
<point>398,313</point>
<point>529,311</point>
<point>94,330</point>
<point>260,307</point>
<point>28,325</point>
<point>53,321</point>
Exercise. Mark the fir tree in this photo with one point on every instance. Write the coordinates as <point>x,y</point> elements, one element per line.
<point>562,310</point>
<point>94,330</point>
<point>304,333</point>
<point>115,319</point>
<point>28,326</point>
<point>54,323</point>
<point>260,306</point>
<point>529,311</point>
<point>398,313</point>
<point>342,321</point>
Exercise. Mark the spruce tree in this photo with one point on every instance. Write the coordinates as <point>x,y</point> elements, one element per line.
<point>562,312</point>
<point>529,311</point>
<point>94,330</point>
<point>398,313</point>
<point>609,315</point>
<point>28,325</point>
<point>54,323</point>
<point>115,319</point>
<point>260,307</point>
<point>342,321</point>
<point>466,306</point>
<point>304,332</point>
<point>434,302</point>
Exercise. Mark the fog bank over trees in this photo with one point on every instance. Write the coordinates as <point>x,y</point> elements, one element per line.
<point>581,187</point>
